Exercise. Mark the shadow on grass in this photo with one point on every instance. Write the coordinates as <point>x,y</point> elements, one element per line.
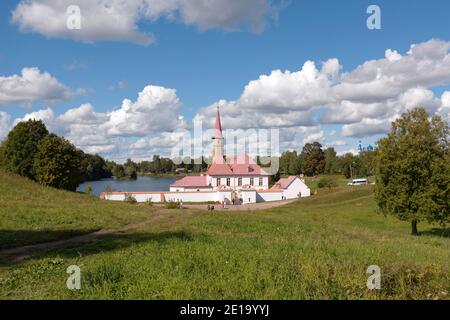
<point>437,232</point>
<point>100,244</point>
<point>18,238</point>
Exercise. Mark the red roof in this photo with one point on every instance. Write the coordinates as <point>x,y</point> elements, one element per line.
<point>220,169</point>
<point>194,181</point>
<point>241,165</point>
<point>284,183</point>
<point>218,127</point>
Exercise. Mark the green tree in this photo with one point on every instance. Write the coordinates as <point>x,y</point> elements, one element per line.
<point>290,163</point>
<point>21,145</point>
<point>367,161</point>
<point>57,163</point>
<point>119,171</point>
<point>312,159</point>
<point>94,167</point>
<point>2,156</point>
<point>413,171</point>
<point>350,166</point>
<point>331,160</point>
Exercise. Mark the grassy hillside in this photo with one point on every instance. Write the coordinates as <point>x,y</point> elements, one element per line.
<point>31,213</point>
<point>315,248</point>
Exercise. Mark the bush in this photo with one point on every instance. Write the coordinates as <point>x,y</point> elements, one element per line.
<point>88,190</point>
<point>130,199</point>
<point>57,163</point>
<point>326,183</point>
<point>21,146</point>
<point>149,202</point>
<point>171,205</point>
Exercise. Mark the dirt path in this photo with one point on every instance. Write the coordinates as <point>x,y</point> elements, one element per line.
<point>247,207</point>
<point>21,253</point>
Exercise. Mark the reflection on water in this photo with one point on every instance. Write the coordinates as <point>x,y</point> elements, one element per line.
<point>142,184</point>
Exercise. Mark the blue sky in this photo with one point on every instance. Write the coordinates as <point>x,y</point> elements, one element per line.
<point>205,61</point>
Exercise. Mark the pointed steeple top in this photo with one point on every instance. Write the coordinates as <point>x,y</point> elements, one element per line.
<point>218,128</point>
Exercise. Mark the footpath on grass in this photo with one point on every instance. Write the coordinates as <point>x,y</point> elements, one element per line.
<point>20,253</point>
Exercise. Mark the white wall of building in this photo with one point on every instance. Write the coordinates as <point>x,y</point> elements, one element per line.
<point>225,196</point>
<point>297,189</point>
<point>245,180</point>
<point>269,196</point>
<point>248,196</point>
<point>184,189</point>
<point>139,196</point>
<point>191,196</point>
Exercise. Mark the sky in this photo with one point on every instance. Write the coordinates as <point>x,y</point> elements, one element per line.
<point>136,75</point>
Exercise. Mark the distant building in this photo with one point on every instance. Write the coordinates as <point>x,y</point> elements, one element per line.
<point>236,179</point>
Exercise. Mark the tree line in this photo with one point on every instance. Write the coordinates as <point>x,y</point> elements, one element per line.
<point>313,161</point>
<point>31,151</point>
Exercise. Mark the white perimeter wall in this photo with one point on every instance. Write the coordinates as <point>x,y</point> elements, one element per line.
<point>168,196</point>
<point>191,196</point>
<point>248,196</point>
<point>140,197</point>
<point>269,196</point>
<point>297,188</point>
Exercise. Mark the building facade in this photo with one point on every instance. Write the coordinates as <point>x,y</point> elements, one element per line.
<point>230,180</point>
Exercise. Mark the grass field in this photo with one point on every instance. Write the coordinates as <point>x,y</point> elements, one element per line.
<point>317,248</point>
<point>31,213</point>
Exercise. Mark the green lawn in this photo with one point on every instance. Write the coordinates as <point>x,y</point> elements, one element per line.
<point>318,248</point>
<point>31,213</point>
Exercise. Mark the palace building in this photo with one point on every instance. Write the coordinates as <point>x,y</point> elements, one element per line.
<point>229,179</point>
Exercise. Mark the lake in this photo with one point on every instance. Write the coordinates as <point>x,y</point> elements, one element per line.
<point>142,184</point>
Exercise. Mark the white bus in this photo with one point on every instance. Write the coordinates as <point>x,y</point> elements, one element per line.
<point>358,182</point>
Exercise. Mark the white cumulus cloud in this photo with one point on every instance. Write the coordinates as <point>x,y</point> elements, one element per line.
<point>30,86</point>
<point>119,20</point>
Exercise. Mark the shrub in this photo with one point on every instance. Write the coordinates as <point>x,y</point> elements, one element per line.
<point>129,198</point>
<point>149,202</point>
<point>57,163</point>
<point>171,205</point>
<point>21,146</point>
<point>326,183</point>
<point>88,190</point>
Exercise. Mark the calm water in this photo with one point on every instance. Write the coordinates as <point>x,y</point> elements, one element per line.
<point>141,184</point>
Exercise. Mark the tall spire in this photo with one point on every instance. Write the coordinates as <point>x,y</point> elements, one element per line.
<point>218,141</point>
<point>218,129</point>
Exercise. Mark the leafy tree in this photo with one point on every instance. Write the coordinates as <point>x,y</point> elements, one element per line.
<point>2,156</point>
<point>57,163</point>
<point>413,171</point>
<point>312,159</point>
<point>119,171</point>
<point>367,163</point>
<point>130,172</point>
<point>21,146</point>
<point>331,161</point>
<point>350,166</point>
<point>290,163</point>
<point>94,167</point>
